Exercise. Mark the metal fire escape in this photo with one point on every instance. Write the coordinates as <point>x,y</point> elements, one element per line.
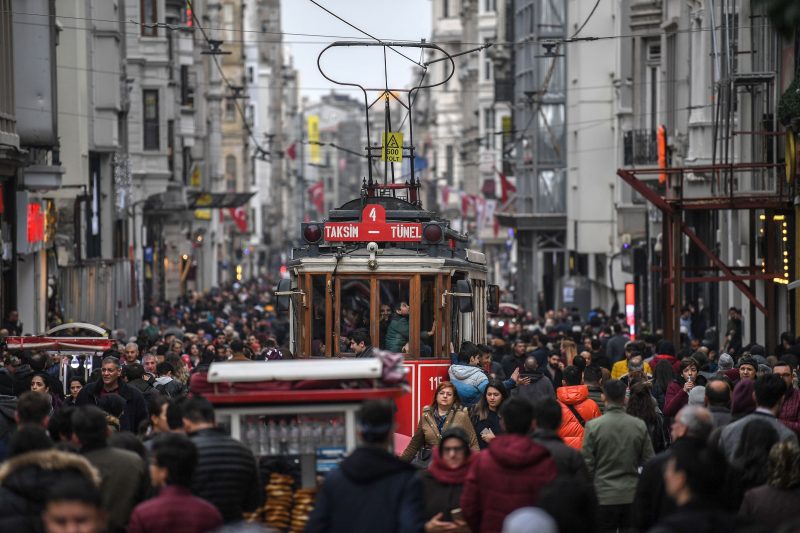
<point>731,184</point>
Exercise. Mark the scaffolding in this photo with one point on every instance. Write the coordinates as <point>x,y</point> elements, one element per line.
<point>745,93</point>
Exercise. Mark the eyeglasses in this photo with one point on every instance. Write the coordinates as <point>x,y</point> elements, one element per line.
<point>453,449</point>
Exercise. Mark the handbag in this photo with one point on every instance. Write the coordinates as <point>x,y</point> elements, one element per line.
<point>423,458</point>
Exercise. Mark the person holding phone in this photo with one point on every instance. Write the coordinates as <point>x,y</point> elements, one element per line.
<point>442,482</point>
<point>484,415</point>
<point>678,391</point>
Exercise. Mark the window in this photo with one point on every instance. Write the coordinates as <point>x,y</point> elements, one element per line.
<point>186,160</point>
<point>227,21</point>
<point>151,120</point>
<point>488,126</point>
<point>488,68</point>
<point>187,91</point>
<point>149,16</point>
<point>250,75</point>
<point>652,94</point>
<point>319,317</point>
<point>230,173</point>
<point>230,110</point>
<point>449,163</point>
<point>445,9</point>
<point>171,147</point>
<point>490,6</point>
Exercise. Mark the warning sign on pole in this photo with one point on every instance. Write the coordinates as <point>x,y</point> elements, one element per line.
<point>392,147</point>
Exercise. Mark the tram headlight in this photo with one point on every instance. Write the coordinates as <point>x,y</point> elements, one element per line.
<point>432,233</point>
<point>312,233</point>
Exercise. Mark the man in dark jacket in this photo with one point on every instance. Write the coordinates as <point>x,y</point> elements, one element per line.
<point>540,386</point>
<point>133,374</point>
<point>509,474</point>
<point>546,421</point>
<point>166,384</point>
<point>135,408</point>
<point>718,401</point>
<point>372,490</point>
<point>694,476</point>
<point>361,344</point>
<point>123,472</point>
<point>227,473</point>
<point>651,501</point>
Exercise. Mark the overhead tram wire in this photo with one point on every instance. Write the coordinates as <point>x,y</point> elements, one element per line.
<point>259,150</point>
<point>362,31</point>
<point>566,40</point>
<point>585,22</point>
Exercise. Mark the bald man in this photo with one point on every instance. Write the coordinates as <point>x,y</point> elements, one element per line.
<point>718,401</point>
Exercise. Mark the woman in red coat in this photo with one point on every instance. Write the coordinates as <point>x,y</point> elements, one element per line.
<point>678,391</point>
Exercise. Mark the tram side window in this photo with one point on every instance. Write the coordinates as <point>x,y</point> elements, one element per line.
<point>354,312</point>
<point>318,317</point>
<point>427,309</point>
<point>393,296</point>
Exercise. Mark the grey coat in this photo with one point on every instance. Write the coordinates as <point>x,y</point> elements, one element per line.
<point>732,433</point>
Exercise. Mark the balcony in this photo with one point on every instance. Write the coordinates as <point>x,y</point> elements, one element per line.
<point>640,147</point>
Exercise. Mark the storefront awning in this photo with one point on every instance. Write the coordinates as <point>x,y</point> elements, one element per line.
<point>218,200</point>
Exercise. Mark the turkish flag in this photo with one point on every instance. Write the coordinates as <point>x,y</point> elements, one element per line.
<point>239,216</point>
<point>316,195</point>
<point>506,187</point>
<point>292,151</point>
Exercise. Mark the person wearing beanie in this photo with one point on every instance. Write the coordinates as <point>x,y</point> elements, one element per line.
<point>444,478</point>
<point>697,396</point>
<point>747,368</point>
<point>725,362</point>
<point>743,402</point>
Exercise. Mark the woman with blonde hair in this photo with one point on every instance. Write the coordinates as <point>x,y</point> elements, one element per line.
<point>444,412</point>
<point>568,351</point>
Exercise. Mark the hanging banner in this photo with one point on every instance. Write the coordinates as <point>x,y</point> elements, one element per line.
<point>313,139</point>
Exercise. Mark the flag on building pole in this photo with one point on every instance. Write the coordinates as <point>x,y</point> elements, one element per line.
<point>316,195</point>
<point>239,215</point>
<point>506,187</point>
<point>291,152</point>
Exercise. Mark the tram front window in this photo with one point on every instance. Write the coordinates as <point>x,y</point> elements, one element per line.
<point>354,311</point>
<point>394,326</point>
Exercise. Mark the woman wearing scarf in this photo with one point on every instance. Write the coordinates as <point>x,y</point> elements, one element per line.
<point>443,480</point>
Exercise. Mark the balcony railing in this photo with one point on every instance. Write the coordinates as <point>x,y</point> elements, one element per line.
<point>640,147</point>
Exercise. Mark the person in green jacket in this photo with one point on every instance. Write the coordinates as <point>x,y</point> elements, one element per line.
<point>615,447</point>
<point>397,331</point>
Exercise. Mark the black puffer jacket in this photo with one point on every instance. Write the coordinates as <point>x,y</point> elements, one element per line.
<point>25,479</point>
<point>226,474</point>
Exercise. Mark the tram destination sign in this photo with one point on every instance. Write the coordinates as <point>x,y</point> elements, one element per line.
<point>373,227</point>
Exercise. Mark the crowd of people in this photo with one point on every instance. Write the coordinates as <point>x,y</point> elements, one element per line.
<point>554,424</point>
<point>581,428</point>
